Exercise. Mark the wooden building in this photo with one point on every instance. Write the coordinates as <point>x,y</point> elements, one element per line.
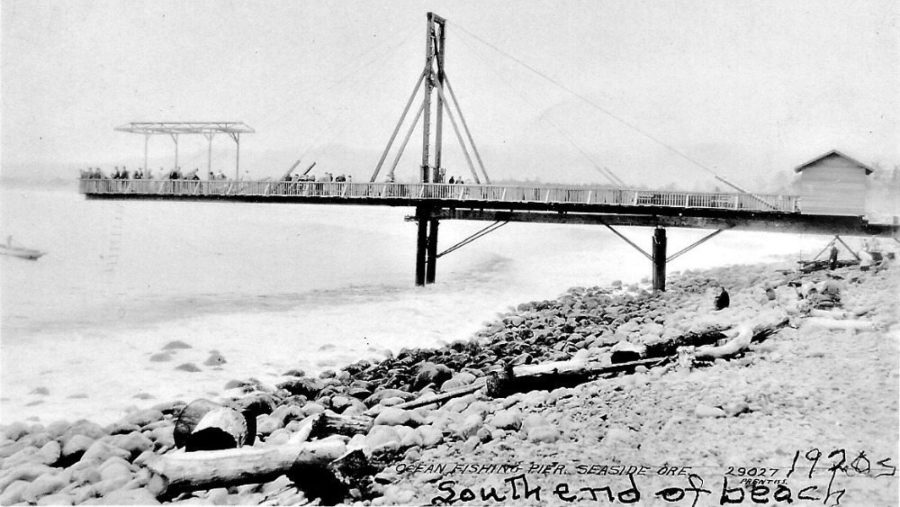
<point>833,184</point>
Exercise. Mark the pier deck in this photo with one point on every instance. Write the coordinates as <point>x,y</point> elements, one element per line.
<point>517,203</point>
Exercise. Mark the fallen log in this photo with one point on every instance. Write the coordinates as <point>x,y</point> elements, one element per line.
<point>329,423</point>
<point>193,413</point>
<point>668,348</point>
<point>220,428</point>
<point>553,375</point>
<point>304,431</point>
<point>733,346</point>
<point>848,324</point>
<point>178,472</point>
<point>830,314</point>
<point>188,418</point>
<point>333,483</point>
<point>455,393</point>
<point>743,335</point>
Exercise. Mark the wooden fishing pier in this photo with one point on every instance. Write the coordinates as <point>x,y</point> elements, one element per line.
<point>434,199</point>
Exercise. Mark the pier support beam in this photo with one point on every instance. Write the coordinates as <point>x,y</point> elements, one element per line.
<point>659,259</point>
<point>431,254</point>
<point>426,245</point>
<point>421,243</point>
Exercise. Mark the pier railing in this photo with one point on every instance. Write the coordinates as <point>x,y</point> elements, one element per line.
<point>444,192</point>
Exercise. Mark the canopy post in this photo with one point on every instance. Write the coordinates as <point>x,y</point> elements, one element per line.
<point>146,142</point>
<point>175,139</point>
<point>209,138</point>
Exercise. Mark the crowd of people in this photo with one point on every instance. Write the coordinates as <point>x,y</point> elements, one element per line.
<point>96,173</point>
<point>311,178</point>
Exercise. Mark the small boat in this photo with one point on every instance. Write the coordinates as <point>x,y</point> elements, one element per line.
<point>20,251</point>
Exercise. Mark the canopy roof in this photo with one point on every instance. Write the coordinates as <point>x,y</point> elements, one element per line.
<point>186,127</point>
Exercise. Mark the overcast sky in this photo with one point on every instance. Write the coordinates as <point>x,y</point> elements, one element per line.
<point>744,88</point>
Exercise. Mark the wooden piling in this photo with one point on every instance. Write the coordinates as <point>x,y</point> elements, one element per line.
<point>421,243</point>
<point>659,259</point>
<point>431,254</point>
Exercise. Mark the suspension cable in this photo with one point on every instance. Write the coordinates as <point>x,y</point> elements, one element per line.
<point>608,173</point>
<point>600,108</point>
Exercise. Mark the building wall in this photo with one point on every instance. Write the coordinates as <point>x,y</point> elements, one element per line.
<point>833,186</point>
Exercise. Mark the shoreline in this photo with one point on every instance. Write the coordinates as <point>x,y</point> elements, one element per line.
<point>581,322</point>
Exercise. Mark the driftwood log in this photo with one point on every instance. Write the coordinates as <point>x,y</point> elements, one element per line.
<point>743,335</point>
<point>438,398</point>
<point>333,482</point>
<point>178,472</point>
<point>830,323</point>
<point>207,425</point>
<point>220,428</point>
<point>329,423</point>
<point>553,375</point>
<point>189,417</point>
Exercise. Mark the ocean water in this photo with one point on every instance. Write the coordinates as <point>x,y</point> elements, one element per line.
<point>270,287</point>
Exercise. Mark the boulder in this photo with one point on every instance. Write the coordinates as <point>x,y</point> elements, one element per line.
<point>75,446</point>
<point>57,499</point>
<point>285,414</point>
<point>49,453</point>
<point>507,420</point>
<point>44,485</point>
<point>143,417</point>
<point>470,426</point>
<point>702,410</point>
<point>15,430</point>
<point>393,417</point>
<point>85,473</point>
<point>139,496</point>
<point>302,386</point>
<point>135,443</point>
<point>56,429</point>
<point>25,472</point>
<point>83,427</point>
<point>312,408</point>
<point>10,448</point>
<point>431,435</point>
<point>13,493</point>
<point>163,438</point>
<point>176,345</point>
<point>188,367</point>
<point>215,359</point>
<point>532,421</point>
<point>101,451</point>
<point>114,467</point>
<point>431,373</point>
<point>382,437</point>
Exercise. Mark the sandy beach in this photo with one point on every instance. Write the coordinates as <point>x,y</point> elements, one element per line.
<point>808,413</point>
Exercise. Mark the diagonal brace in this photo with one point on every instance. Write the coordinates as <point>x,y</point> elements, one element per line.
<point>847,247</point>
<point>694,245</point>
<point>639,249</point>
<point>440,90</point>
<point>462,120</point>
<point>483,232</point>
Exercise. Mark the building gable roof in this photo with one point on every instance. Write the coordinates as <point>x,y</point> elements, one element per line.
<point>834,153</point>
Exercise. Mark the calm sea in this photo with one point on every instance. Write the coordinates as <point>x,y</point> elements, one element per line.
<point>271,287</point>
